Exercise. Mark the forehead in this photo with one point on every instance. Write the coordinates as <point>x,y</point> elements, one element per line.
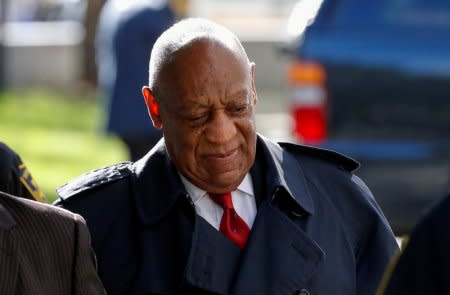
<point>205,69</point>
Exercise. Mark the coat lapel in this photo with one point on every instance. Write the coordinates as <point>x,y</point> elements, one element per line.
<point>213,259</point>
<point>279,256</point>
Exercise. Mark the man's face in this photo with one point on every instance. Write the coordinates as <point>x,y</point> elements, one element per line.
<point>207,114</point>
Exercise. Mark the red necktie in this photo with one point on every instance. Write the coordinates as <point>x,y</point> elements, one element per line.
<point>231,225</point>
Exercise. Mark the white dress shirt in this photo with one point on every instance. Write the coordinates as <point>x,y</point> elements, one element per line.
<point>243,202</point>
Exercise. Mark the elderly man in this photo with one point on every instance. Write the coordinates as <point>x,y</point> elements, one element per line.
<point>44,250</point>
<point>215,208</point>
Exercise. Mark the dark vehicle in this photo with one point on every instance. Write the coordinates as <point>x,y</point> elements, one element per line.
<point>371,79</point>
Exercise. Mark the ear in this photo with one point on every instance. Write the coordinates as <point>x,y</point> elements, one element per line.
<point>252,81</point>
<point>152,107</point>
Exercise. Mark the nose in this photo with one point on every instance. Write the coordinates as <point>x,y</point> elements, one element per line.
<point>221,128</point>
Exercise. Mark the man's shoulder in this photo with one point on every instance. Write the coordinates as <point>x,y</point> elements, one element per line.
<point>101,196</point>
<point>34,214</point>
<point>322,154</point>
<point>94,179</point>
<point>332,171</point>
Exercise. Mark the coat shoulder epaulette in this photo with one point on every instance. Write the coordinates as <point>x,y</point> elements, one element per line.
<point>339,159</point>
<point>94,178</point>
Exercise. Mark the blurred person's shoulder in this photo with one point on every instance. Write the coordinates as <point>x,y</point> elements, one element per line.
<point>31,214</point>
<point>15,178</point>
<point>436,217</point>
<point>7,159</point>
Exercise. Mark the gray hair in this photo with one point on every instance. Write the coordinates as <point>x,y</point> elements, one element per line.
<point>184,33</point>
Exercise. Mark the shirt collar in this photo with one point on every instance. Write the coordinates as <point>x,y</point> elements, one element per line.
<point>196,193</point>
<point>157,169</point>
<point>246,185</point>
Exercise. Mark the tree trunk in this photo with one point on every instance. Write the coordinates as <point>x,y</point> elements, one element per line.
<point>3,9</point>
<point>90,24</point>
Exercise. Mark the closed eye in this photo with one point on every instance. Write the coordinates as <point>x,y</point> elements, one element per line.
<point>198,119</point>
<point>241,109</point>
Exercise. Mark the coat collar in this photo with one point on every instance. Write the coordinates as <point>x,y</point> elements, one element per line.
<point>284,172</point>
<point>157,185</point>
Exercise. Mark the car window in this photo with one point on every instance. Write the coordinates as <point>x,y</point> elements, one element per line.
<point>369,13</point>
<point>419,12</point>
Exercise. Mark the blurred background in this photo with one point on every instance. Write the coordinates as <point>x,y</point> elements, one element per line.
<point>366,78</point>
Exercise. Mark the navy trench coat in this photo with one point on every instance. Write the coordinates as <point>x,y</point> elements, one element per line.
<point>318,229</point>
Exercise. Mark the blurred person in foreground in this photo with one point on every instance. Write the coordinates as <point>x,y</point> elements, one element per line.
<point>44,250</point>
<point>214,207</point>
<point>126,32</point>
<point>423,266</point>
<point>15,177</point>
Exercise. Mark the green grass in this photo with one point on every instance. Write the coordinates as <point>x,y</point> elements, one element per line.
<point>57,135</point>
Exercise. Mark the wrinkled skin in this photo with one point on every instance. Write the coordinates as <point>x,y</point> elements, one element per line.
<point>205,106</point>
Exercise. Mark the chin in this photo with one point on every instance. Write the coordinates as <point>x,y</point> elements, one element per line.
<point>227,181</point>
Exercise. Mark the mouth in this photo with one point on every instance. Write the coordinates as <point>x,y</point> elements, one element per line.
<point>223,156</point>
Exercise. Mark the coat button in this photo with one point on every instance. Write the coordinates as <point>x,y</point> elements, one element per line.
<point>302,292</point>
<point>297,214</point>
